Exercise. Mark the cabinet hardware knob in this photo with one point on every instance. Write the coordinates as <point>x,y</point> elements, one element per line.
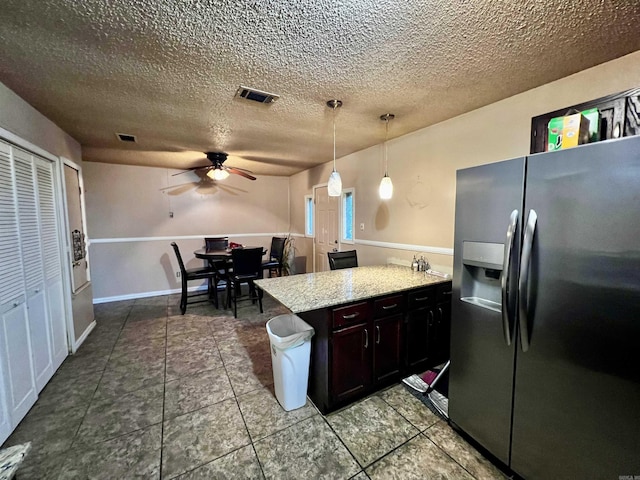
<point>366,338</point>
<point>378,332</point>
<point>389,307</point>
<point>422,299</point>
<point>349,317</point>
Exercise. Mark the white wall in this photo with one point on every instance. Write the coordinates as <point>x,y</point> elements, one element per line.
<point>423,164</point>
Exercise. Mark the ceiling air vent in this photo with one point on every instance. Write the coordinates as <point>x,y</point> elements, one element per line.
<point>125,137</point>
<point>256,95</point>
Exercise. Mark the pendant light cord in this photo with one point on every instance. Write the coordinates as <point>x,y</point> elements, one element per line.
<point>334,136</point>
<point>386,136</point>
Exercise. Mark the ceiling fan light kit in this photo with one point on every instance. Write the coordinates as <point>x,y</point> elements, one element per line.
<point>217,174</point>
<point>386,186</point>
<point>334,186</point>
<point>218,171</point>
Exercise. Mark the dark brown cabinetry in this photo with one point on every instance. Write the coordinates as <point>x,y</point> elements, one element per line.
<point>387,334</point>
<point>428,323</point>
<point>619,117</point>
<point>350,351</point>
<point>363,346</point>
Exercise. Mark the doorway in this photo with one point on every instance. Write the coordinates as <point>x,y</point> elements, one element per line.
<point>325,227</point>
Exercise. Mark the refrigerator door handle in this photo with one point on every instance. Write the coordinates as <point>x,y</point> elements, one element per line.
<point>523,283</point>
<point>506,270</point>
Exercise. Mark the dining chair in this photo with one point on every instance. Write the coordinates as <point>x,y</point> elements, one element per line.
<point>247,263</point>
<point>216,243</point>
<point>201,273</point>
<point>339,260</point>
<point>276,256</point>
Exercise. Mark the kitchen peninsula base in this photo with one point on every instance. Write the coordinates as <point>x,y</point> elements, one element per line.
<point>373,325</point>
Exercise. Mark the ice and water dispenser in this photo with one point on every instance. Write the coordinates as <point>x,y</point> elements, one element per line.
<point>482,265</point>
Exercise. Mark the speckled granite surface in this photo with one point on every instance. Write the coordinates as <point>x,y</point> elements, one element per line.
<point>302,293</point>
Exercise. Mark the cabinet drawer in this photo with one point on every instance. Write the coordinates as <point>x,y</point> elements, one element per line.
<point>425,297</point>
<point>384,307</point>
<point>443,293</point>
<point>350,315</point>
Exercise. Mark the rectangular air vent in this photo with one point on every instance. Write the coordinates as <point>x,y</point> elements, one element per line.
<point>256,95</point>
<point>125,137</point>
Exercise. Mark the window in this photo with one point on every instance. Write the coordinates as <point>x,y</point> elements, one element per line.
<point>348,216</point>
<point>308,215</point>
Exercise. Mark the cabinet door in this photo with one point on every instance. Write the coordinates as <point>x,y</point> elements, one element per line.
<point>387,347</point>
<point>440,334</point>
<point>350,361</point>
<point>417,334</point>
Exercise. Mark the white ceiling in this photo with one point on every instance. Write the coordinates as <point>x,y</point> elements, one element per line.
<point>167,70</point>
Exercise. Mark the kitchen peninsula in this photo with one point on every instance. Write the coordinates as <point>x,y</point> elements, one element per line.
<point>373,325</point>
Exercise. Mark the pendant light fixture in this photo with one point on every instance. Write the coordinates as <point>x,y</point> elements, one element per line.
<point>335,182</point>
<point>386,187</point>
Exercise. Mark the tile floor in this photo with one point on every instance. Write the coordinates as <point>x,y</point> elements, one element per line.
<point>154,394</point>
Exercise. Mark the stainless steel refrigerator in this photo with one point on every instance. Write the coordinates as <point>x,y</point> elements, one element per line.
<point>545,334</point>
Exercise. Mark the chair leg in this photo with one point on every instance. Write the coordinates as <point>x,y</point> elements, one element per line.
<point>183,296</point>
<point>260,298</point>
<point>235,300</point>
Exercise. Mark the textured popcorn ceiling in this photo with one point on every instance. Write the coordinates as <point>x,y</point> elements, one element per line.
<point>166,71</point>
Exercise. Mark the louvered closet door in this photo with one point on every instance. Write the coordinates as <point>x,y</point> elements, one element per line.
<point>32,259</point>
<point>52,261</point>
<point>17,381</point>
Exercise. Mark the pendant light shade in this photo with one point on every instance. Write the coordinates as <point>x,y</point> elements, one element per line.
<point>385,191</point>
<point>334,185</point>
<point>386,188</point>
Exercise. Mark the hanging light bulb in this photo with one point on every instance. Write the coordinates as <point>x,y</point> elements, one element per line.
<point>335,182</point>
<point>386,186</point>
<point>217,174</point>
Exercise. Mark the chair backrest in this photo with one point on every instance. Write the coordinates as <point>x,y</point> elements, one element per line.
<point>338,260</point>
<point>180,262</point>
<point>216,243</point>
<point>277,248</point>
<point>247,261</point>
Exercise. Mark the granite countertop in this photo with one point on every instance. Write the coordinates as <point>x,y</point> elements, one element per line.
<point>311,291</point>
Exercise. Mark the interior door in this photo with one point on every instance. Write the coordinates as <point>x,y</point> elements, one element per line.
<point>76,229</point>
<point>326,227</point>
<point>577,386</point>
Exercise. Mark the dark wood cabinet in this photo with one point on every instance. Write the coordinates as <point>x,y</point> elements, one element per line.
<point>350,361</point>
<point>363,346</point>
<point>619,117</point>
<point>387,360</point>
<point>428,324</point>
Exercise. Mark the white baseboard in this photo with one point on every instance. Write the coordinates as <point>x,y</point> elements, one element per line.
<point>83,337</point>
<point>134,296</point>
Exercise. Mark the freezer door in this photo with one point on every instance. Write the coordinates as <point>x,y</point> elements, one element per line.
<point>577,387</point>
<point>481,374</point>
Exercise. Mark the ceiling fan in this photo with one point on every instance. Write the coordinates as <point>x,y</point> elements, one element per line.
<point>217,170</point>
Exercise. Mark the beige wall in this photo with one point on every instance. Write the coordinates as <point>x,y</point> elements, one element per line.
<point>423,164</point>
<point>134,203</point>
<point>24,121</point>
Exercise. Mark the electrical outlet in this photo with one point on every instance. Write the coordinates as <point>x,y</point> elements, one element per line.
<point>178,274</point>
<point>362,227</point>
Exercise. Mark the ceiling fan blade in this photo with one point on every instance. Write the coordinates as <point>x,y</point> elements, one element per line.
<point>241,169</point>
<point>190,170</point>
<point>240,172</point>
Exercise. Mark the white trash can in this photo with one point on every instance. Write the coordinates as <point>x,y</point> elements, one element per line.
<point>290,339</point>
